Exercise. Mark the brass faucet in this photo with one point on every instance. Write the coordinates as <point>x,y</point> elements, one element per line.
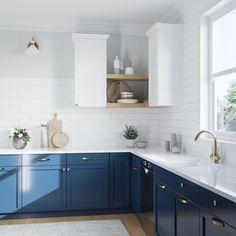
<point>214,156</point>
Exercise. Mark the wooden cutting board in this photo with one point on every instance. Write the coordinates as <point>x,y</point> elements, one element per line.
<point>114,90</point>
<point>60,139</point>
<point>53,126</point>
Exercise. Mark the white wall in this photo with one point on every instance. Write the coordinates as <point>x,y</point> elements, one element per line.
<point>32,88</point>
<point>185,120</point>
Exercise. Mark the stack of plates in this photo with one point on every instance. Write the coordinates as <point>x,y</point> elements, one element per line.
<point>127,97</point>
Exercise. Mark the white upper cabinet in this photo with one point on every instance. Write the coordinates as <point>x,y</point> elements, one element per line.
<point>90,69</point>
<point>165,64</point>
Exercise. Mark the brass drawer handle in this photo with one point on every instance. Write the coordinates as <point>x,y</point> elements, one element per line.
<point>218,223</point>
<point>44,159</point>
<point>2,168</point>
<point>64,169</point>
<point>216,203</point>
<point>182,185</point>
<point>162,186</point>
<point>183,200</point>
<point>87,158</point>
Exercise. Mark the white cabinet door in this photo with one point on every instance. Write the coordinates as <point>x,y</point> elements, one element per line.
<point>165,64</point>
<point>90,69</point>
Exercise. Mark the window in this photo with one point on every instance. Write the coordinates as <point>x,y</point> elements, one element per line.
<point>222,45</point>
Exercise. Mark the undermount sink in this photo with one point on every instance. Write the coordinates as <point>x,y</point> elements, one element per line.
<point>177,162</point>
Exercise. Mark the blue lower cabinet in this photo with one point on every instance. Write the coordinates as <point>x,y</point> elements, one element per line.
<point>213,226</point>
<point>120,179</point>
<point>136,185</point>
<point>165,210</point>
<point>43,188</point>
<point>187,217</point>
<point>88,187</point>
<point>10,189</point>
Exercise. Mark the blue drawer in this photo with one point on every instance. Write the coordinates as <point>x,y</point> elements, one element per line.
<point>166,177</point>
<point>87,158</point>
<point>10,160</point>
<point>218,206</point>
<point>44,160</point>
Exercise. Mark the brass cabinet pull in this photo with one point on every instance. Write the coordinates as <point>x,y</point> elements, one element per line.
<point>162,186</point>
<point>64,169</point>
<point>182,185</point>
<point>68,169</point>
<point>218,223</point>
<point>44,159</point>
<point>216,203</point>
<point>183,200</point>
<point>2,168</point>
<point>87,158</point>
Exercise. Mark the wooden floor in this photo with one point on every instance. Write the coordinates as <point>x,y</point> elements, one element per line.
<point>130,221</point>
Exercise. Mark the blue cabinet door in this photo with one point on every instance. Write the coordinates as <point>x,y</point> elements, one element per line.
<point>212,226</point>
<point>10,184</point>
<point>87,187</point>
<point>43,188</point>
<point>164,210</point>
<point>136,185</point>
<point>120,179</point>
<point>187,217</point>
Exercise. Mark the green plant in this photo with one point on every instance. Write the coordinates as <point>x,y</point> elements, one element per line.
<point>19,133</point>
<point>130,132</point>
<point>230,106</point>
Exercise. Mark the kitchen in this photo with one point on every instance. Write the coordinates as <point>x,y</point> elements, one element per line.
<point>58,80</point>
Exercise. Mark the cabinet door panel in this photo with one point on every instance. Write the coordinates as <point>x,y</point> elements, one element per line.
<point>136,185</point>
<point>87,187</point>
<point>120,180</point>
<point>10,181</point>
<point>212,226</point>
<point>187,218</point>
<point>43,189</point>
<point>165,210</point>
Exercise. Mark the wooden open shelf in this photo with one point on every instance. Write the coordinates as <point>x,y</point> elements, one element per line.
<point>126,77</point>
<point>125,105</point>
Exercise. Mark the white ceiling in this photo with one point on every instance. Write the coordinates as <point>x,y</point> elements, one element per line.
<point>113,11</point>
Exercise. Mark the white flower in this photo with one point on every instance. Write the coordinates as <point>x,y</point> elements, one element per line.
<point>20,135</point>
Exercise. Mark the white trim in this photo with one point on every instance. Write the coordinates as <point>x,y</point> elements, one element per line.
<point>223,11</point>
<point>213,76</point>
<point>72,26</point>
<point>224,72</point>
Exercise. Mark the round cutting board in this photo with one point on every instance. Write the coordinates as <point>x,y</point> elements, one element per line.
<point>60,139</point>
<point>115,89</point>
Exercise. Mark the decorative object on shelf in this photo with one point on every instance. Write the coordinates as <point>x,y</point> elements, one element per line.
<point>44,136</point>
<point>127,95</point>
<point>20,137</point>
<point>129,70</point>
<point>141,144</point>
<point>118,65</point>
<point>127,100</point>
<point>56,138</point>
<point>115,89</point>
<point>130,133</point>
<point>33,48</point>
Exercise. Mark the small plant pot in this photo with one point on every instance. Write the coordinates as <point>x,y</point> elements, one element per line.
<point>130,143</point>
<point>19,143</point>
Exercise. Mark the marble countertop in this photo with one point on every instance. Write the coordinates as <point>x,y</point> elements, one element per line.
<point>220,179</point>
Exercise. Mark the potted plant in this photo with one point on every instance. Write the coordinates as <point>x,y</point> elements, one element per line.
<point>20,137</point>
<point>130,133</point>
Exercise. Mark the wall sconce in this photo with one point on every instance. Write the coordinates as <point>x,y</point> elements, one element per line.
<point>33,48</point>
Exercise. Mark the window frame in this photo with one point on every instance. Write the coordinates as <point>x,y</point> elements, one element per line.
<point>212,119</point>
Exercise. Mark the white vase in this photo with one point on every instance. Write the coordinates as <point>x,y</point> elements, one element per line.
<point>130,143</point>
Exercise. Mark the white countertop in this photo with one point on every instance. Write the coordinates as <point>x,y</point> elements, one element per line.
<point>220,179</point>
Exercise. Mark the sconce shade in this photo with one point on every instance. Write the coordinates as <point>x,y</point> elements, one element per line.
<point>33,48</point>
